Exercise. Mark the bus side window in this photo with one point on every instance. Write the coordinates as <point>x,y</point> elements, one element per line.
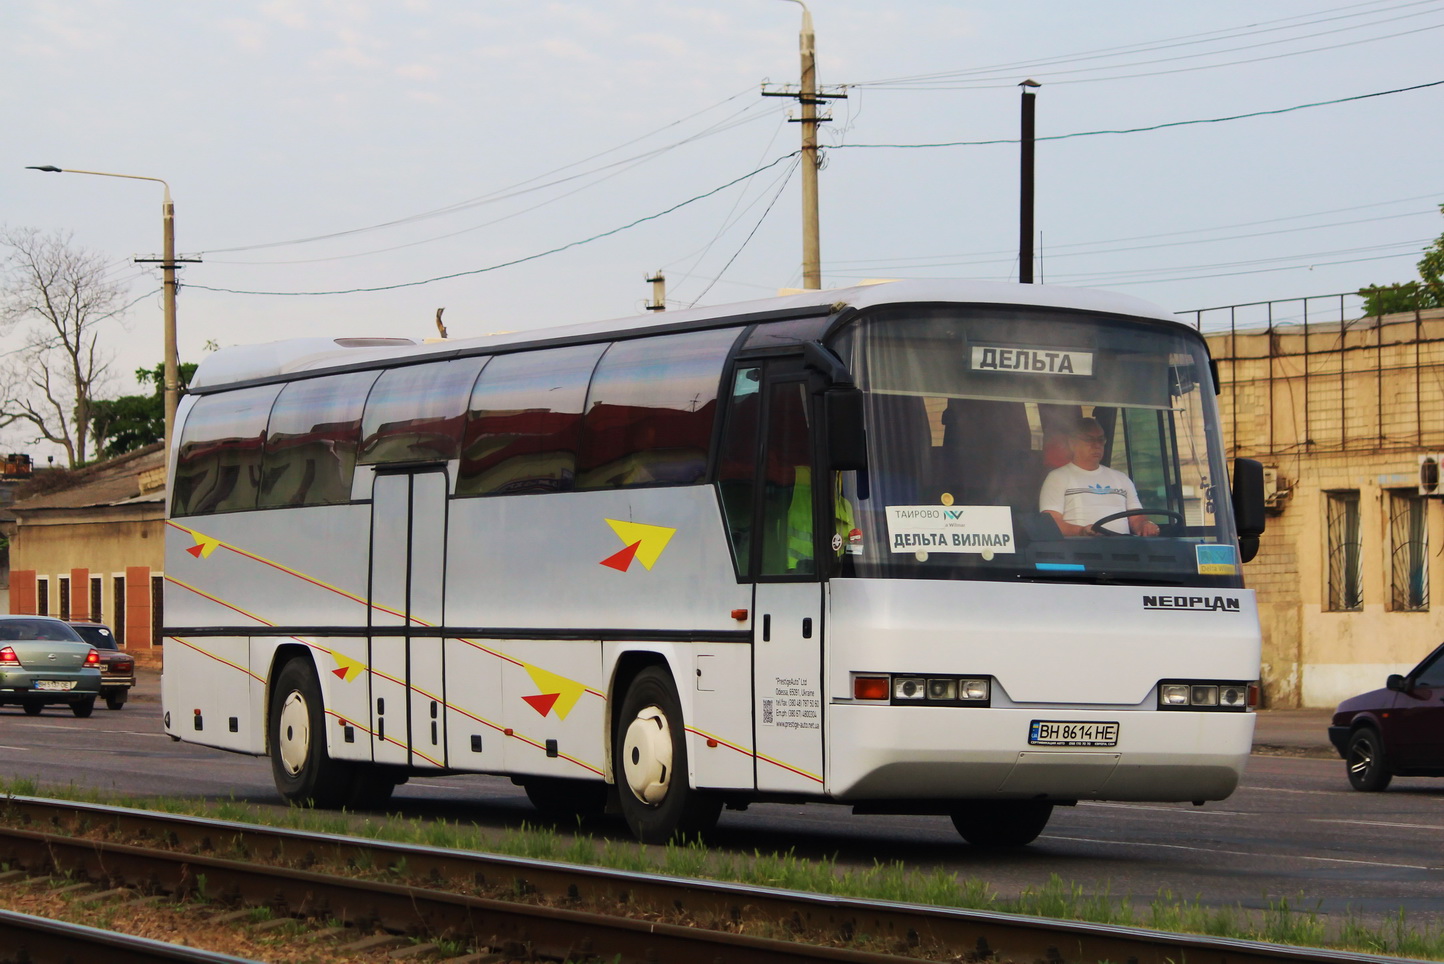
<point>311,441</point>
<point>787,540</point>
<point>737,463</point>
<point>415,413</point>
<point>651,411</point>
<point>218,464</point>
<point>524,422</point>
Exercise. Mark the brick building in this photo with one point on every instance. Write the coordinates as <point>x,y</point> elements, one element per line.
<point>1340,411</point>
<point>95,549</point>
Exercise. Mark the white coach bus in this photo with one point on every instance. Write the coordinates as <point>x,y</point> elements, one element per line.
<point>784,550</point>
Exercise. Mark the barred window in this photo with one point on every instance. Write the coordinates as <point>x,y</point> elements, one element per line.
<point>1409,549</point>
<point>1346,583</point>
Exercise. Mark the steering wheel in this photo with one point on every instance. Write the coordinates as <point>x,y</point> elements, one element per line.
<point>1174,517</point>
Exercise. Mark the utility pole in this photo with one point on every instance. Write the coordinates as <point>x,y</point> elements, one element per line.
<point>808,95</point>
<point>1025,186</point>
<point>659,292</point>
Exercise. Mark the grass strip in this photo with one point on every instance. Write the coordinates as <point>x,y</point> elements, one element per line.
<point>1282,921</point>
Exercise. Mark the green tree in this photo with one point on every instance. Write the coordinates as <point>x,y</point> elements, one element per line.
<point>124,424</point>
<point>1427,292</point>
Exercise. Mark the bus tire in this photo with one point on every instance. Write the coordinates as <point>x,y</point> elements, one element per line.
<point>303,771</point>
<point>650,760</point>
<point>563,799</point>
<point>998,824</point>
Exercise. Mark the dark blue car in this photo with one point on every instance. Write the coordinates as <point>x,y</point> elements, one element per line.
<point>1394,731</point>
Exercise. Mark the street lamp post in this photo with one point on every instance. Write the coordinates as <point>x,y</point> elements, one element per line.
<point>168,266</point>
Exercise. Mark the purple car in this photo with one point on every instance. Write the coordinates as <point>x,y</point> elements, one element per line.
<point>1395,731</point>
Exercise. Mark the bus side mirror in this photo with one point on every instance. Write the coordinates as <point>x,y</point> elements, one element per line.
<point>1248,505</point>
<point>842,413</point>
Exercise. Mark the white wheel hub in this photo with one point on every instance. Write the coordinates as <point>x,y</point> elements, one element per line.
<point>295,733</point>
<point>647,756</point>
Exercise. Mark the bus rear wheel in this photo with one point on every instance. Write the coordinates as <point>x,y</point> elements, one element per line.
<point>303,771</point>
<point>650,761</point>
<point>998,824</point>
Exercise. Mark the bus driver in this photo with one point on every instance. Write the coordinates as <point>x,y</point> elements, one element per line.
<point>1080,493</point>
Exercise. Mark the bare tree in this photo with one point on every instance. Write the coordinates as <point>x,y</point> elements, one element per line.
<point>53,296</point>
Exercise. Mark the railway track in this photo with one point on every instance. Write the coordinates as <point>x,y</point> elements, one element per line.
<point>531,910</point>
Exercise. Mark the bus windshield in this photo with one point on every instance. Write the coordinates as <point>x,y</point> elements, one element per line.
<point>1033,443</point>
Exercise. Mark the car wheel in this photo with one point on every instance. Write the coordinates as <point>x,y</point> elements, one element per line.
<point>114,701</point>
<point>1367,765</point>
<point>83,708</point>
<point>303,771</point>
<point>998,824</point>
<point>563,799</point>
<point>650,757</point>
<point>33,708</point>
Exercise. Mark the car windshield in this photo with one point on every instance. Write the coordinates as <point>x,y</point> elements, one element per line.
<point>982,419</point>
<point>96,635</point>
<point>27,629</point>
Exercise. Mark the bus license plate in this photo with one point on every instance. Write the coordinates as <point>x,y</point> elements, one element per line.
<point>1059,733</point>
<point>55,684</point>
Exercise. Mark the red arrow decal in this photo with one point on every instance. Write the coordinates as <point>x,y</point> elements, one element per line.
<point>543,703</point>
<point>195,550</point>
<point>339,673</point>
<point>623,559</point>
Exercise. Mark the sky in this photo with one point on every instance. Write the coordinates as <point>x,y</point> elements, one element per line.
<point>328,159</point>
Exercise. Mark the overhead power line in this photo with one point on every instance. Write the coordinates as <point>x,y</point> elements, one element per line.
<point>1153,127</point>
<point>515,261</point>
<point>1060,77</point>
<point>773,163</point>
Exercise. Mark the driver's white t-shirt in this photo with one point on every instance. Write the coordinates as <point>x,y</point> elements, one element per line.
<point>1083,497</point>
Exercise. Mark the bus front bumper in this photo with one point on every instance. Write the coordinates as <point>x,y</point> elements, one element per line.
<point>951,753</point>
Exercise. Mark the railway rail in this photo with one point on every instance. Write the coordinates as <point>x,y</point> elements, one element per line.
<point>532,909</point>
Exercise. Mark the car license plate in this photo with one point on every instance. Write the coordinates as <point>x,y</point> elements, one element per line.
<point>1061,733</point>
<point>55,684</point>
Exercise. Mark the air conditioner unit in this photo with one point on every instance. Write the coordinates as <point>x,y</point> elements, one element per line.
<point>1431,465</point>
<point>1277,488</point>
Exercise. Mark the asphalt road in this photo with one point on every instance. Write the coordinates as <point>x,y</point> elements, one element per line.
<point>1293,831</point>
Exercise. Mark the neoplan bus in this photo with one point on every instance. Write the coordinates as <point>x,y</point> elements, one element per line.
<point>784,550</point>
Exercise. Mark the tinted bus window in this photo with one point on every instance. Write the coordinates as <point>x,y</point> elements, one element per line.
<point>415,413</point>
<point>312,439</point>
<point>524,422</point>
<point>218,466</point>
<point>650,411</point>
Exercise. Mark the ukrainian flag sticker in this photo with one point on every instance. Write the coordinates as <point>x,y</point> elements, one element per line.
<point>1216,560</point>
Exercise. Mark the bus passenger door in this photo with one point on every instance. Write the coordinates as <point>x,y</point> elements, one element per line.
<point>408,557</point>
<point>787,625</point>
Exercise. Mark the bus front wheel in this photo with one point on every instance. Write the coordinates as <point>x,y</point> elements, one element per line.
<point>996,824</point>
<point>650,762</point>
<point>303,771</point>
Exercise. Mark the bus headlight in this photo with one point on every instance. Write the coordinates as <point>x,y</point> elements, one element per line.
<point>915,689</point>
<point>909,688</point>
<point>942,689</point>
<point>1207,695</point>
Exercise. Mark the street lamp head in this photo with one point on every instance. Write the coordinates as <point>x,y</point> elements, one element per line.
<point>47,168</point>
<point>1030,83</point>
